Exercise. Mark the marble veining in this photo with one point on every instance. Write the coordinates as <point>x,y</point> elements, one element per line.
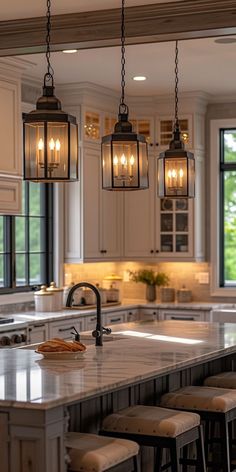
<point>29,381</point>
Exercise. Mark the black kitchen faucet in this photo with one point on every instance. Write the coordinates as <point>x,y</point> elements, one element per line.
<point>99,331</point>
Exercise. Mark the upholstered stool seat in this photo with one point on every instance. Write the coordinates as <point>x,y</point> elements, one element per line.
<point>214,405</point>
<point>222,380</point>
<point>93,453</point>
<point>160,428</point>
<point>201,398</point>
<point>151,420</point>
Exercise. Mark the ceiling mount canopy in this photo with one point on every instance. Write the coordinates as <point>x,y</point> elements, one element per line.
<point>176,166</point>
<point>124,152</point>
<point>50,134</point>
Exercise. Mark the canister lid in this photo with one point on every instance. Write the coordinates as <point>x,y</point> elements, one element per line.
<point>54,288</point>
<point>43,291</point>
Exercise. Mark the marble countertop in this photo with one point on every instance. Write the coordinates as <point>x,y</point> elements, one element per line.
<point>32,317</point>
<point>140,351</point>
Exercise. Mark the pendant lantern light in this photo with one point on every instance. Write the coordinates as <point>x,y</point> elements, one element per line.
<point>124,152</point>
<point>176,166</point>
<point>50,134</point>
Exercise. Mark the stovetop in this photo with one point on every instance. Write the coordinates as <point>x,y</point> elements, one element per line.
<point>6,320</point>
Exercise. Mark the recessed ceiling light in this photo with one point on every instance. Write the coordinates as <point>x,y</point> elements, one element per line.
<point>139,78</point>
<point>70,51</point>
<point>225,40</point>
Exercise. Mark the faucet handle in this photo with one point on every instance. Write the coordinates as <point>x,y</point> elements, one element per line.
<point>106,330</point>
<point>96,333</point>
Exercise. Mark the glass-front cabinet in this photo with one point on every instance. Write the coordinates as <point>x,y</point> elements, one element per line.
<point>175,227</point>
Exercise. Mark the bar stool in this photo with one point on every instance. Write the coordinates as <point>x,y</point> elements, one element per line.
<point>221,380</point>
<point>213,405</point>
<point>93,453</point>
<point>159,428</point>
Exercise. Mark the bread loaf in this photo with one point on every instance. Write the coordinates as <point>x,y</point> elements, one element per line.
<point>59,345</point>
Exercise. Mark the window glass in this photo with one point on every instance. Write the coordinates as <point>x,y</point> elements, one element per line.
<point>228,208</point>
<point>25,258</point>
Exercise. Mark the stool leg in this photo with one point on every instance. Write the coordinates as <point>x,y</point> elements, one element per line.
<point>136,464</point>
<point>158,459</point>
<point>224,437</point>
<point>201,463</point>
<point>175,456</point>
<point>185,456</point>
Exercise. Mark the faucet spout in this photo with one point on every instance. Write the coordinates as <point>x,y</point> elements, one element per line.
<point>99,331</point>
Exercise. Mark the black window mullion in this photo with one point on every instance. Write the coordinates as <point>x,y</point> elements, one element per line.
<point>27,236</point>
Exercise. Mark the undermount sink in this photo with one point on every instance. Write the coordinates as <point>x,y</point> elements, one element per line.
<point>89,339</point>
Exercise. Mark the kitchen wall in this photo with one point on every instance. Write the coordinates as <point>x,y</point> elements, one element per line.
<point>180,273</point>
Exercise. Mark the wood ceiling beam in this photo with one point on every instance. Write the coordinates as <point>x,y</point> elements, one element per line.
<point>186,19</point>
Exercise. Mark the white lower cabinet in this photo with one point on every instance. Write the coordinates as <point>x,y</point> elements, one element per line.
<point>38,333</point>
<point>115,318</point>
<point>90,322</point>
<point>63,329</point>
<point>184,315</point>
<point>148,314</point>
<point>132,315</point>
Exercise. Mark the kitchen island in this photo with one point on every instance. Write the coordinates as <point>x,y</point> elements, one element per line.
<point>40,399</point>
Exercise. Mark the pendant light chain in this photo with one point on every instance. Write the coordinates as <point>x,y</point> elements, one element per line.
<point>123,107</point>
<point>176,84</point>
<point>50,72</point>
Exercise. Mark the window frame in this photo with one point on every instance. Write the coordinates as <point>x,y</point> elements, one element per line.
<point>216,209</point>
<point>10,252</point>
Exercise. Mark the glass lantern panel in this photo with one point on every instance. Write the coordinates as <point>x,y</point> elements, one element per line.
<point>34,150</point>
<point>191,178</point>
<point>181,243</point>
<point>125,164</point>
<point>57,151</point>
<point>74,151</point>
<point>181,205</point>
<point>106,165</point>
<point>160,177</point>
<point>166,243</point>
<point>176,177</point>
<point>143,165</point>
<point>166,204</point>
<point>181,222</point>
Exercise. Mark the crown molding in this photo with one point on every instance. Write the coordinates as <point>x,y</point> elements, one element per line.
<point>186,19</point>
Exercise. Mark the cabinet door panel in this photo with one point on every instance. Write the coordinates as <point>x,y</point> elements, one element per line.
<point>92,216</point>
<point>139,220</point>
<point>63,329</point>
<point>111,207</point>
<point>38,333</point>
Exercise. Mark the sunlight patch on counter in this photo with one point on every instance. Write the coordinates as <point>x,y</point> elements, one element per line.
<point>159,337</point>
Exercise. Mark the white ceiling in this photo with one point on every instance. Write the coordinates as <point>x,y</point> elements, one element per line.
<point>203,66</point>
<point>13,9</point>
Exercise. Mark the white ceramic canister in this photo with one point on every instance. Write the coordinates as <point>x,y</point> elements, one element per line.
<point>58,296</point>
<point>89,297</point>
<point>44,300</point>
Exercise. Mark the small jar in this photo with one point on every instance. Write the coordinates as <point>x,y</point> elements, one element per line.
<point>89,297</point>
<point>58,296</point>
<point>112,294</point>
<point>44,300</point>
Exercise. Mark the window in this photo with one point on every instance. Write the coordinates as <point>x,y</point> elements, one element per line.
<point>227,207</point>
<point>222,209</point>
<point>26,250</point>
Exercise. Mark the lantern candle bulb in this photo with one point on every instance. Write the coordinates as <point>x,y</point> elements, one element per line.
<point>40,152</point>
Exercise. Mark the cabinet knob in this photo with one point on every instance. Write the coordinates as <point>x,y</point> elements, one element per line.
<point>151,251</point>
<point>157,144</point>
<point>151,144</point>
<point>157,250</point>
<point>103,251</point>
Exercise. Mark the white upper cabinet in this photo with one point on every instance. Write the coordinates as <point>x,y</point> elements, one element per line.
<point>10,136</point>
<point>136,225</point>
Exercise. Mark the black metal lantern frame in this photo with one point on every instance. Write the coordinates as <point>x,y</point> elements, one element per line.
<point>50,135</point>
<point>124,152</point>
<point>176,166</point>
